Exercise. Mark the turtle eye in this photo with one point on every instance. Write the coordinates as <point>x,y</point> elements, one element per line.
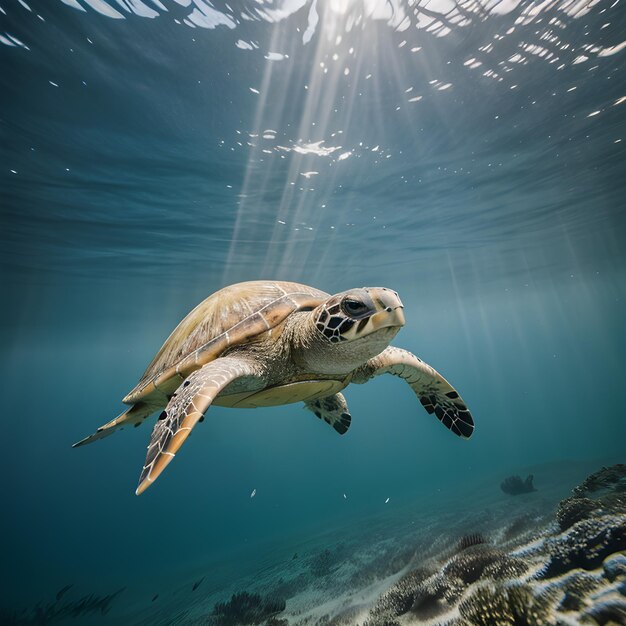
<point>354,307</point>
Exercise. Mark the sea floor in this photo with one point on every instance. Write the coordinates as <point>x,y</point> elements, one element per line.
<point>476,557</point>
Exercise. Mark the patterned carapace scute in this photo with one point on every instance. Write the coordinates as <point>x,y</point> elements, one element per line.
<point>231,316</point>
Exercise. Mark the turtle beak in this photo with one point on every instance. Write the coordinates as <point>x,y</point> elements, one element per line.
<point>391,309</point>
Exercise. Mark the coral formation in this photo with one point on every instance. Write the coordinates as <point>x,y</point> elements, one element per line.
<point>437,595</point>
<point>576,588</point>
<point>471,564</point>
<point>506,568</point>
<point>246,608</point>
<point>398,599</point>
<point>602,493</point>
<point>514,485</point>
<point>615,567</point>
<point>586,544</point>
<point>506,605</point>
<point>594,521</point>
<point>612,478</point>
<point>611,613</point>
<point>577,576</point>
<point>470,540</point>
<point>574,509</point>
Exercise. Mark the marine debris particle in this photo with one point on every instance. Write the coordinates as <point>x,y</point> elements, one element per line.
<point>387,500</point>
<point>253,493</point>
<point>197,584</point>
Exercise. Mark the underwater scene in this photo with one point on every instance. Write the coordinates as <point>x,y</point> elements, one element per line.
<point>393,233</point>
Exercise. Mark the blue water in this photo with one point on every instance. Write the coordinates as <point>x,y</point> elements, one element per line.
<point>469,155</point>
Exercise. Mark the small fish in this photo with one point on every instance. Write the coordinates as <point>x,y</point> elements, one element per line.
<point>345,497</point>
<point>253,493</point>
<point>61,592</point>
<point>295,556</point>
<point>387,500</point>
<point>155,597</point>
<point>197,584</point>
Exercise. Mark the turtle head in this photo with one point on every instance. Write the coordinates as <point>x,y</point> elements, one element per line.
<point>358,313</point>
<point>348,329</point>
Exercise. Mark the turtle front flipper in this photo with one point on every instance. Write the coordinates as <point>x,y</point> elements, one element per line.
<point>333,410</point>
<point>186,408</point>
<point>435,393</point>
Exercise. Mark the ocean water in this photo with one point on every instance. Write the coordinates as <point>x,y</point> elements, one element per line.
<point>469,154</point>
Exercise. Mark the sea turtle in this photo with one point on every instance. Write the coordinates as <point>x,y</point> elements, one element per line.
<point>267,343</point>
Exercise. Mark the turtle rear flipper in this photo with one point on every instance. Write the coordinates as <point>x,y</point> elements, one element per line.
<point>132,416</point>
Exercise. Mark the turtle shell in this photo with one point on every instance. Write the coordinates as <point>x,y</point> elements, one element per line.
<point>232,316</point>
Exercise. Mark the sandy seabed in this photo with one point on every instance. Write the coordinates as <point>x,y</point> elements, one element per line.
<point>552,557</point>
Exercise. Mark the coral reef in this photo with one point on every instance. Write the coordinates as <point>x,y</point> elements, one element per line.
<point>611,613</point>
<point>398,599</point>
<point>470,540</point>
<point>615,567</point>
<point>471,564</point>
<point>426,594</point>
<point>570,572</point>
<point>437,595</point>
<point>506,605</point>
<point>514,485</point>
<point>604,492</point>
<point>574,509</point>
<point>586,544</point>
<point>576,588</point>
<point>608,478</point>
<point>247,608</point>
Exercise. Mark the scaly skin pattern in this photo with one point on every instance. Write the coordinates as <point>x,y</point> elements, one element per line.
<point>186,407</point>
<point>435,393</point>
<point>333,410</point>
